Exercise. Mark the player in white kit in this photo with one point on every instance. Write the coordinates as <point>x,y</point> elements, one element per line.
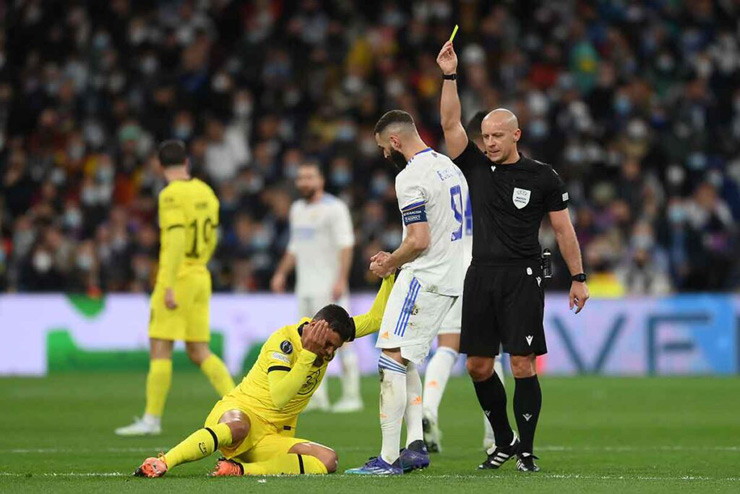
<point>430,191</point>
<point>448,343</point>
<point>320,249</point>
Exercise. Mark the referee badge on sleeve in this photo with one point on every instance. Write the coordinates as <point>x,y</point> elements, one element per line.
<point>286,347</point>
<point>521,197</point>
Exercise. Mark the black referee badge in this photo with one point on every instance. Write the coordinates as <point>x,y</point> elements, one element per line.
<point>286,347</point>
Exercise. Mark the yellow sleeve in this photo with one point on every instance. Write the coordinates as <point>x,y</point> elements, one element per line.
<point>287,367</point>
<point>370,322</point>
<point>172,224</point>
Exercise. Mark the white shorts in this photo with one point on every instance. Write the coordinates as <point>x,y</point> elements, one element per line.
<point>453,320</point>
<point>309,305</point>
<point>412,318</point>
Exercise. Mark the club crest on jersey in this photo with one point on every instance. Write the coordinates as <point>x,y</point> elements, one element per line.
<point>521,197</point>
<point>286,347</point>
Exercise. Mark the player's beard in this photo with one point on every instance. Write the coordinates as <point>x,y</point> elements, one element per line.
<point>398,159</point>
<point>307,193</point>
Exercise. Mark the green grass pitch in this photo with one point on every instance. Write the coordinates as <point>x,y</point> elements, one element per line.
<point>595,435</point>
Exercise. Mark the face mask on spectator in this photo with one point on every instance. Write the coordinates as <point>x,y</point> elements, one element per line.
<point>538,129</point>
<point>85,262</point>
<point>341,177</point>
<point>220,83</point>
<point>105,174</point>
<point>261,240</point>
<point>379,184</point>
<point>697,161</point>
<point>183,131</point>
<point>73,218</point>
<point>42,261</point>
<point>242,109</point>
<point>76,152</point>
<point>392,239</point>
<point>149,65</point>
<point>346,132</point>
<point>622,105</point>
<point>676,214</point>
<point>643,242</point>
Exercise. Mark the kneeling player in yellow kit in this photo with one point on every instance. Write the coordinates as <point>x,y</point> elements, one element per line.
<point>254,425</point>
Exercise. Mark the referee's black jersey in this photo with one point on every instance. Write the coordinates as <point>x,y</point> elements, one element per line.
<point>509,202</point>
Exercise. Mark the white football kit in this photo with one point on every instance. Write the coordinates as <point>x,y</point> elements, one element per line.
<point>452,322</point>
<point>430,189</point>
<point>317,233</point>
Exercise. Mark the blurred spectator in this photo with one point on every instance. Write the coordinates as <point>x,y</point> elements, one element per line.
<point>634,103</point>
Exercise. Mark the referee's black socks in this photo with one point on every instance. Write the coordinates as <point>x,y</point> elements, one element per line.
<point>492,398</point>
<point>527,405</point>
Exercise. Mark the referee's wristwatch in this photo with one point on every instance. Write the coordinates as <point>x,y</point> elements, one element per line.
<point>580,278</point>
<point>449,77</point>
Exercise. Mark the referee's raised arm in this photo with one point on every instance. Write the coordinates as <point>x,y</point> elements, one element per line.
<point>450,108</point>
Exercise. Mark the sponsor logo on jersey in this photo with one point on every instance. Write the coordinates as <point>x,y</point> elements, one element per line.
<point>286,347</point>
<point>521,197</point>
<point>311,382</point>
<point>279,356</point>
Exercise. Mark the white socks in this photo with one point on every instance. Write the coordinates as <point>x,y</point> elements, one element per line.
<point>350,373</point>
<point>392,405</point>
<point>413,415</point>
<point>435,380</point>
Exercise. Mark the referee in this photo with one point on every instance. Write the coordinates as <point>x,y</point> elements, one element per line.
<point>503,298</point>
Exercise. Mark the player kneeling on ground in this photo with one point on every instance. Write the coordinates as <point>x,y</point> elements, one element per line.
<point>254,425</point>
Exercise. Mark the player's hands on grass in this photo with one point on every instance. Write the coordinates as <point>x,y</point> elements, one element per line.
<point>339,289</point>
<point>381,265</point>
<point>447,59</point>
<point>277,283</point>
<point>314,337</point>
<point>169,299</point>
<point>578,295</point>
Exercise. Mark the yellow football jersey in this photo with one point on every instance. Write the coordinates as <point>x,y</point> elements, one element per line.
<point>282,352</point>
<point>193,206</point>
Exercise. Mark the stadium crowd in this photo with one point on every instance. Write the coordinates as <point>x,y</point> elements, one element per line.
<point>636,104</point>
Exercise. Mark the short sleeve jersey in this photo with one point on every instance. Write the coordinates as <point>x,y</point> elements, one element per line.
<point>432,189</point>
<point>508,204</point>
<point>317,233</point>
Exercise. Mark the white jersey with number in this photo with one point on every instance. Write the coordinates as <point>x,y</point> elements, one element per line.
<point>433,189</point>
<point>318,231</point>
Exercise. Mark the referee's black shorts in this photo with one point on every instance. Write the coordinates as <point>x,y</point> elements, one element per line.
<point>503,305</point>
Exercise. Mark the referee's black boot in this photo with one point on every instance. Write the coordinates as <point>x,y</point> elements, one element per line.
<point>500,455</point>
<point>526,463</point>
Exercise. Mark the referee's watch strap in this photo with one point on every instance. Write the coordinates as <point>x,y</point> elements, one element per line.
<point>449,77</point>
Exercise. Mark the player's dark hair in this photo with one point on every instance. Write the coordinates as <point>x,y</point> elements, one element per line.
<point>172,153</point>
<point>313,162</point>
<point>392,117</point>
<point>473,127</point>
<point>339,321</point>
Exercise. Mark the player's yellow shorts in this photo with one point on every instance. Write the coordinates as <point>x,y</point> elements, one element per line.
<point>190,321</point>
<point>265,439</point>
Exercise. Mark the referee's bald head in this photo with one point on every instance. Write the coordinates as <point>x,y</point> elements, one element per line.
<point>501,117</point>
<point>500,132</point>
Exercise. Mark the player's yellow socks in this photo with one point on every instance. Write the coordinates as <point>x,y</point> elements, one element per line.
<point>216,372</point>
<point>158,385</point>
<point>199,444</point>
<point>286,464</point>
